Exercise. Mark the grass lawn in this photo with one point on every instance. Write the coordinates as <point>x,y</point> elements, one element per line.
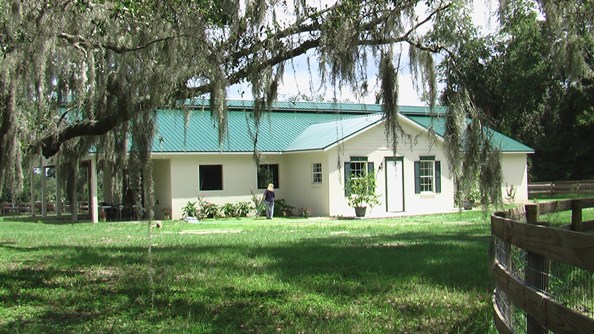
<point>425,274</point>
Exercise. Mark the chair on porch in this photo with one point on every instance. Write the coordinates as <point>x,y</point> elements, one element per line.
<point>83,206</point>
<point>8,208</point>
<point>24,208</point>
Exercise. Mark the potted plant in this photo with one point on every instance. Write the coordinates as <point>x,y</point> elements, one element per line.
<point>470,198</point>
<point>304,212</point>
<point>166,213</point>
<point>363,194</point>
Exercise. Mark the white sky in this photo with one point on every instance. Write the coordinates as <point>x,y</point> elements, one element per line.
<point>298,82</point>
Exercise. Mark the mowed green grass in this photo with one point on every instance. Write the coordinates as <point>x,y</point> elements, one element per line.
<point>427,274</point>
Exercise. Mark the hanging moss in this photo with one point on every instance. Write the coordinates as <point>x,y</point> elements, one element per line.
<point>218,103</point>
<point>141,173</point>
<point>101,65</point>
<point>390,107</point>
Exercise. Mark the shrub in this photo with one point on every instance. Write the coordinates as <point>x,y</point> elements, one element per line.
<point>304,212</point>
<point>282,209</point>
<point>258,202</point>
<point>207,209</point>
<point>166,213</point>
<point>229,210</point>
<point>239,209</point>
<point>243,208</point>
<point>190,210</point>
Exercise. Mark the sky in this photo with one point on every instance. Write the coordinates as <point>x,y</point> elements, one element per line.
<point>296,80</point>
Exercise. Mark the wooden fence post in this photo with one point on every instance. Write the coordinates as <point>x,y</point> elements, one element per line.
<point>536,272</point>
<point>531,213</point>
<point>576,215</point>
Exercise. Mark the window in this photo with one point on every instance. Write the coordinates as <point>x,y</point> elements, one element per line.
<point>357,168</point>
<point>427,175</point>
<point>317,173</point>
<point>211,177</point>
<point>267,174</point>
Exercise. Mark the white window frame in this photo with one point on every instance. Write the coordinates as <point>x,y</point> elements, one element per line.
<point>427,176</point>
<point>316,173</point>
<point>358,168</point>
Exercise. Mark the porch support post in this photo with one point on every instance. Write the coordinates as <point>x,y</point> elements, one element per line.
<point>32,201</point>
<point>93,185</point>
<point>58,190</point>
<point>43,189</point>
<point>107,183</point>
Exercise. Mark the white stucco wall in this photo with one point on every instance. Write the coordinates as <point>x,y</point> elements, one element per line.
<point>372,144</point>
<point>162,185</point>
<point>515,172</point>
<point>301,191</point>
<point>326,199</point>
<point>239,177</point>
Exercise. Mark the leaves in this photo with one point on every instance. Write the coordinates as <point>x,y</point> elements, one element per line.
<point>363,191</point>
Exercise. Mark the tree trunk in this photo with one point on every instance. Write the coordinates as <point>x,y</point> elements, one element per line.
<point>7,128</point>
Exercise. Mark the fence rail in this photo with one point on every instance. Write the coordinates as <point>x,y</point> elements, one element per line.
<point>560,188</point>
<point>543,276</point>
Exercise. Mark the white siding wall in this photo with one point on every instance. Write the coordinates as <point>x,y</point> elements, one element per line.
<point>162,185</point>
<point>515,172</point>
<point>372,144</point>
<point>301,191</point>
<point>295,172</point>
<point>239,177</point>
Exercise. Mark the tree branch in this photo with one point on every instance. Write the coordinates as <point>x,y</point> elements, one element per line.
<point>51,144</point>
<point>79,40</point>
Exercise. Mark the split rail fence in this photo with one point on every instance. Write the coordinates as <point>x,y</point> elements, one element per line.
<point>560,188</point>
<point>544,276</point>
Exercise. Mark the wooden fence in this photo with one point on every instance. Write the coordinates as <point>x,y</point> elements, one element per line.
<point>526,251</point>
<point>560,188</point>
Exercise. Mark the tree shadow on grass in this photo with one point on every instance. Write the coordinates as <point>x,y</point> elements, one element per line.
<point>218,285</point>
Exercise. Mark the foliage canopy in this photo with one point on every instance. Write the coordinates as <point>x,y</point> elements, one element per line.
<point>76,73</point>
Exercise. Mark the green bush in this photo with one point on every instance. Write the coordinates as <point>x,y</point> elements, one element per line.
<point>207,209</point>
<point>282,209</point>
<point>229,210</point>
<point>304,212</point>
<point>242,209</point>
<point>190,210</point>
<point>239,209</point>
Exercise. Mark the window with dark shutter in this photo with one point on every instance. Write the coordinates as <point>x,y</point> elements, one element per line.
<point>427,175</point>
<point>358,167</point>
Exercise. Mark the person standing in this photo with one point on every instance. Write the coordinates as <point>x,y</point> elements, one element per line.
<point>269,201</point>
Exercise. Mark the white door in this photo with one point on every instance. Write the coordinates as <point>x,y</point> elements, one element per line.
<point>394,186</point>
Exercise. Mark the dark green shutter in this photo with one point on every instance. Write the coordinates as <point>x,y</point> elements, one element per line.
<point>438,177</point>
<point>417,177</point>
<point>370,170</point>
<point>347,178</point>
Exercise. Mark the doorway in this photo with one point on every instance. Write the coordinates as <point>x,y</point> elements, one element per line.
<point>394,184</point>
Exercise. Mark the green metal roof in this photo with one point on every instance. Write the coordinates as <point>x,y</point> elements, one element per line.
<point>277,130</point>
<point>291,126</point>
<point>357,108</point>
<point>323,135</point>
<point>503,142</point>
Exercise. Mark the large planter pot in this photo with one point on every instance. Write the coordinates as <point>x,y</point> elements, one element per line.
<point>467,204</point>
<point>360,211</point>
